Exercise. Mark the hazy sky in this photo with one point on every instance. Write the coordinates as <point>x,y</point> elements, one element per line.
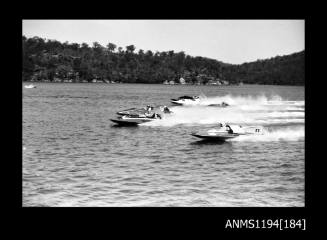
<point>230,41</point>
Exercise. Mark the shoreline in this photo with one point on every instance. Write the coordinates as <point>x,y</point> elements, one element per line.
<point>211,85</point>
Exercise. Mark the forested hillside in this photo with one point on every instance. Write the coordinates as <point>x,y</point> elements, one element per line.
<point>280,70</point>
<point>51,60</point>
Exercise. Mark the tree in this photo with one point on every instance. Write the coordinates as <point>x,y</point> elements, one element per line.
<point>111,47</point>
<point>84,46</point>
<point>45,58</point>
<point>97,47</point>
<point>130,48</point>
<point>62,71</point>
<point>170,53</point>
<point>74,46</point>
<point>149,53</point>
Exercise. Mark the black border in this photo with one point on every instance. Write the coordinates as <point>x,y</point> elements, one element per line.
<point>209,218</point>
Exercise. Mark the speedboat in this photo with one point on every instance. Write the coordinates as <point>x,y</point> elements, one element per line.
<point>215,136</point>
<point>135,119</point>
<point>132,111</point>
<point>143,111</point>
<point>225,132</point>
<point>195,100</point>
<point>186,100</point>
<point>136,111</point>
<point>30,86</point>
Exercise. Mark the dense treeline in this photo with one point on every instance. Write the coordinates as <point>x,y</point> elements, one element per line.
<point>280,70</point>
<point>55,61</point>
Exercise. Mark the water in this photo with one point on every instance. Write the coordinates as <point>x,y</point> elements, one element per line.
<point>73,155</point>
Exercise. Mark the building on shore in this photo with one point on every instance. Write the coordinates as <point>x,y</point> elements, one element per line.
<point>182,81</point>
<point>213,82</point>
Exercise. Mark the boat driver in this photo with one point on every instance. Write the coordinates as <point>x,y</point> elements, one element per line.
<point>166,110</point>
<point>229,129</point>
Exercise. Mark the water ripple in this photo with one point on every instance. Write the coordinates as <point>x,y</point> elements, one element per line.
<point>74,156</point>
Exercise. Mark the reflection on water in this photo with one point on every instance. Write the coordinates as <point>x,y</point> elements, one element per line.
<point>210,142</point>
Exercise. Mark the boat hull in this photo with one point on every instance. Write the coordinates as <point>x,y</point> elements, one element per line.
<point>187,102</point>
<point>124,123</point>
<point>216,137</point>
<point>176,103</point>
<point>130,122</point>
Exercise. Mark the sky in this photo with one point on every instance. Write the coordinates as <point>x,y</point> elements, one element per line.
<point>229,41</point>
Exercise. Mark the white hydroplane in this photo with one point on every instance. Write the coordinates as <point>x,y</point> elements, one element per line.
<point>194,101</point>
<point>144,111</point>
<point>128,120</point>
<point>225,132</point>
<point>186,100</point>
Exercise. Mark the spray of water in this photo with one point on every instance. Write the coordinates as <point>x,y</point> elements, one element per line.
<point>282,134</point>
<point>243,110</point>
<point>248,100</point>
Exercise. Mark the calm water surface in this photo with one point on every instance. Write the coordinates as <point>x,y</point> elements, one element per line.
<point>73,155</point>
